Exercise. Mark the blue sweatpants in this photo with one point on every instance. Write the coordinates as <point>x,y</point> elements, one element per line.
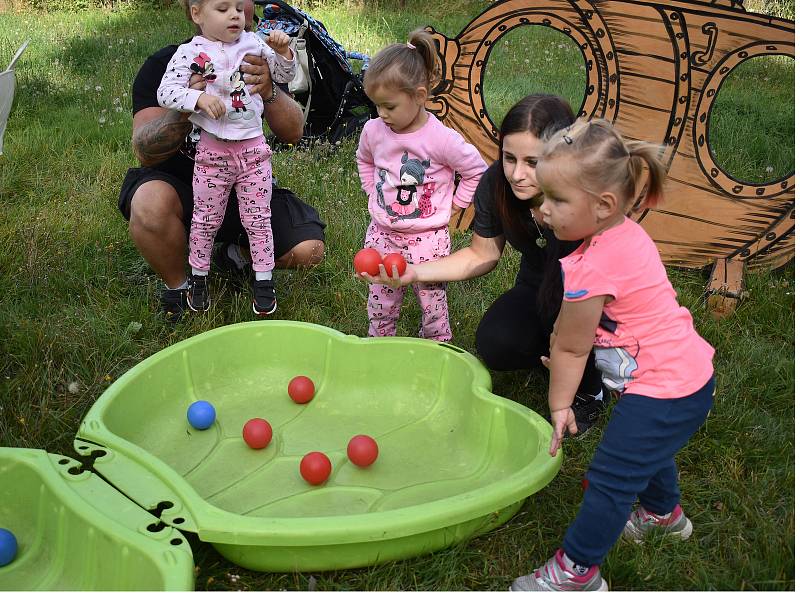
<point>635,458</point>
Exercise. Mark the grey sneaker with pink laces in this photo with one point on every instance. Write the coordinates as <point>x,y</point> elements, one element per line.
<point>642,521</point>
<point>556,576</point>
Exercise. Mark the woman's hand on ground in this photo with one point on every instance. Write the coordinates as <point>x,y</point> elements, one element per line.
<point>257,74</point>
<point>562,420</point>
<point>393,281</point>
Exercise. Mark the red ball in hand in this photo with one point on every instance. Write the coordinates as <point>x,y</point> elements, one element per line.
<point>367,261</point>
<point>397,260</point>
<point>362,450</point>
<point>257,433</point>
<point>315,468</point>
<point>301,389</point>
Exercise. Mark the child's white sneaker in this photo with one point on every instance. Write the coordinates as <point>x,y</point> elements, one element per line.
<point>641,521</point>
<point>556,576</point>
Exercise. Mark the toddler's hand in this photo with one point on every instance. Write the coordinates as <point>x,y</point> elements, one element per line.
<point>562,420</point>
<point>211,105</point>
<point>279,41</point>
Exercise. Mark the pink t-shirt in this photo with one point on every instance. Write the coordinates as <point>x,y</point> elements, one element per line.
<point>645,343</point>
<point>409,177</point>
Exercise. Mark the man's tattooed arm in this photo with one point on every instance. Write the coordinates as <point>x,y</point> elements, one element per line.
<point>158,134</point>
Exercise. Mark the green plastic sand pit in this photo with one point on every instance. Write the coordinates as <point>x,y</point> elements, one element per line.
<point>75,532</point>
<point>455,460</point>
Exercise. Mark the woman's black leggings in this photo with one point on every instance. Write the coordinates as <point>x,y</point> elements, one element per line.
<point>512,336</point>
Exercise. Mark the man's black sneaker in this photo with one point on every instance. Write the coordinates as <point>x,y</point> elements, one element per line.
<point>587,409</point>
<point>225,264</point>
<point>173,304</point>
<point>197,294</point>
<point>264,301</point>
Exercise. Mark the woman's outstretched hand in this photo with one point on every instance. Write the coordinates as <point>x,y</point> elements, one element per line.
<point>562,420</point>
<point>394,280</point>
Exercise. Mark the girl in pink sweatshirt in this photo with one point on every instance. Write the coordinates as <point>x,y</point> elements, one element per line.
<point>407,161</point>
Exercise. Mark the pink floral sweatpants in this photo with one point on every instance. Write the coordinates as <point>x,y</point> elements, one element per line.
<point>384,302</point>
<point>220,165</point>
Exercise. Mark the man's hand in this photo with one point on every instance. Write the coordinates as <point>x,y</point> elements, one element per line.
<point>211,105</point>
<point>257,75</point>
<point>279,41</point>
<point>562,420</point>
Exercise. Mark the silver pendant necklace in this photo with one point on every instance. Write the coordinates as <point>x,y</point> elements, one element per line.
<point>541,241</point>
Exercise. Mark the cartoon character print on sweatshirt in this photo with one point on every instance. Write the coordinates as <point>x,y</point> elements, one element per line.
<point>239,97</point>
<point>408,203</point>
<point>384,302</point>
<point>202,65</point>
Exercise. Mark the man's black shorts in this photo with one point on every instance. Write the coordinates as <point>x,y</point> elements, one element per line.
<point>293,221</point>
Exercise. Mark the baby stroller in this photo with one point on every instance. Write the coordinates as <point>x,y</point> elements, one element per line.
<point>331,95</point>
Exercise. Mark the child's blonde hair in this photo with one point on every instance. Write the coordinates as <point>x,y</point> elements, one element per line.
<point>405,67</point>
<point>602,161</point>
<point>187,9</point>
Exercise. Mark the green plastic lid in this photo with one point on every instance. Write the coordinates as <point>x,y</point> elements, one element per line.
<point>76,532</point>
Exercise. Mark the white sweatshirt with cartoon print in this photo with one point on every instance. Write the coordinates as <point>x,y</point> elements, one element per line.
<point>219,63</point>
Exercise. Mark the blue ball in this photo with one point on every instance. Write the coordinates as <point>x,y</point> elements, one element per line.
<point>201,414</point>
<point>8,547</point>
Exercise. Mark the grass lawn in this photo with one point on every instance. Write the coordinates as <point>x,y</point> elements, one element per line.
<point>77,303</point>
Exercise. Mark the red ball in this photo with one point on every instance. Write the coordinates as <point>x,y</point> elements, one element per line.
<point>362,450</point>
<point>315,468</point>
<point>394,259</point>
<point>257,433</point>
<point>367,261</point>
<point>301,389</point>
<point>585,484</point>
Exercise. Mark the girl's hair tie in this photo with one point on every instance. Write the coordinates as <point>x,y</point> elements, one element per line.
<point>410,46</point>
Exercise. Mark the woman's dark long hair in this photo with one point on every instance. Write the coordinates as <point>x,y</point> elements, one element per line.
<point>540,115</point>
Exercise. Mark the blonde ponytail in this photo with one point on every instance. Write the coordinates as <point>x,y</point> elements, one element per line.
<point>405,66</point>
<point>645,155</point>
<point>604,161</point>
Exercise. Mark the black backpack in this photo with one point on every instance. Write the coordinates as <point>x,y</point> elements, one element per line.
<point>331,95</point>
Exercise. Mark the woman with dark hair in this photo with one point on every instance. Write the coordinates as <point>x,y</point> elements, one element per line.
<point>515,331</point>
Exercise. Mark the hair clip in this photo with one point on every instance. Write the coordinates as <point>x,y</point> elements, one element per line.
<point>567,139</point>
<point>410,46</point>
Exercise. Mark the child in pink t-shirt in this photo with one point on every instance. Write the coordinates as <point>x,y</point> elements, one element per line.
<point>407,161</point>
<point>617,299</point>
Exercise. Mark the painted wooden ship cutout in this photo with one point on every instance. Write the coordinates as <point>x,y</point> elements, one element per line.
<point>653,69</point>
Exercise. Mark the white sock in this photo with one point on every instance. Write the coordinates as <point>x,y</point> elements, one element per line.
<point>235,254</point>
<point>575,568</point>
<point>183,286</point>
<point>263,275</point>
<point>201,272</point>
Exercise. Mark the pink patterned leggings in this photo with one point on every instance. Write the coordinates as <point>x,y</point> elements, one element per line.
<point>383,305</point>
<point>220,166</point>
